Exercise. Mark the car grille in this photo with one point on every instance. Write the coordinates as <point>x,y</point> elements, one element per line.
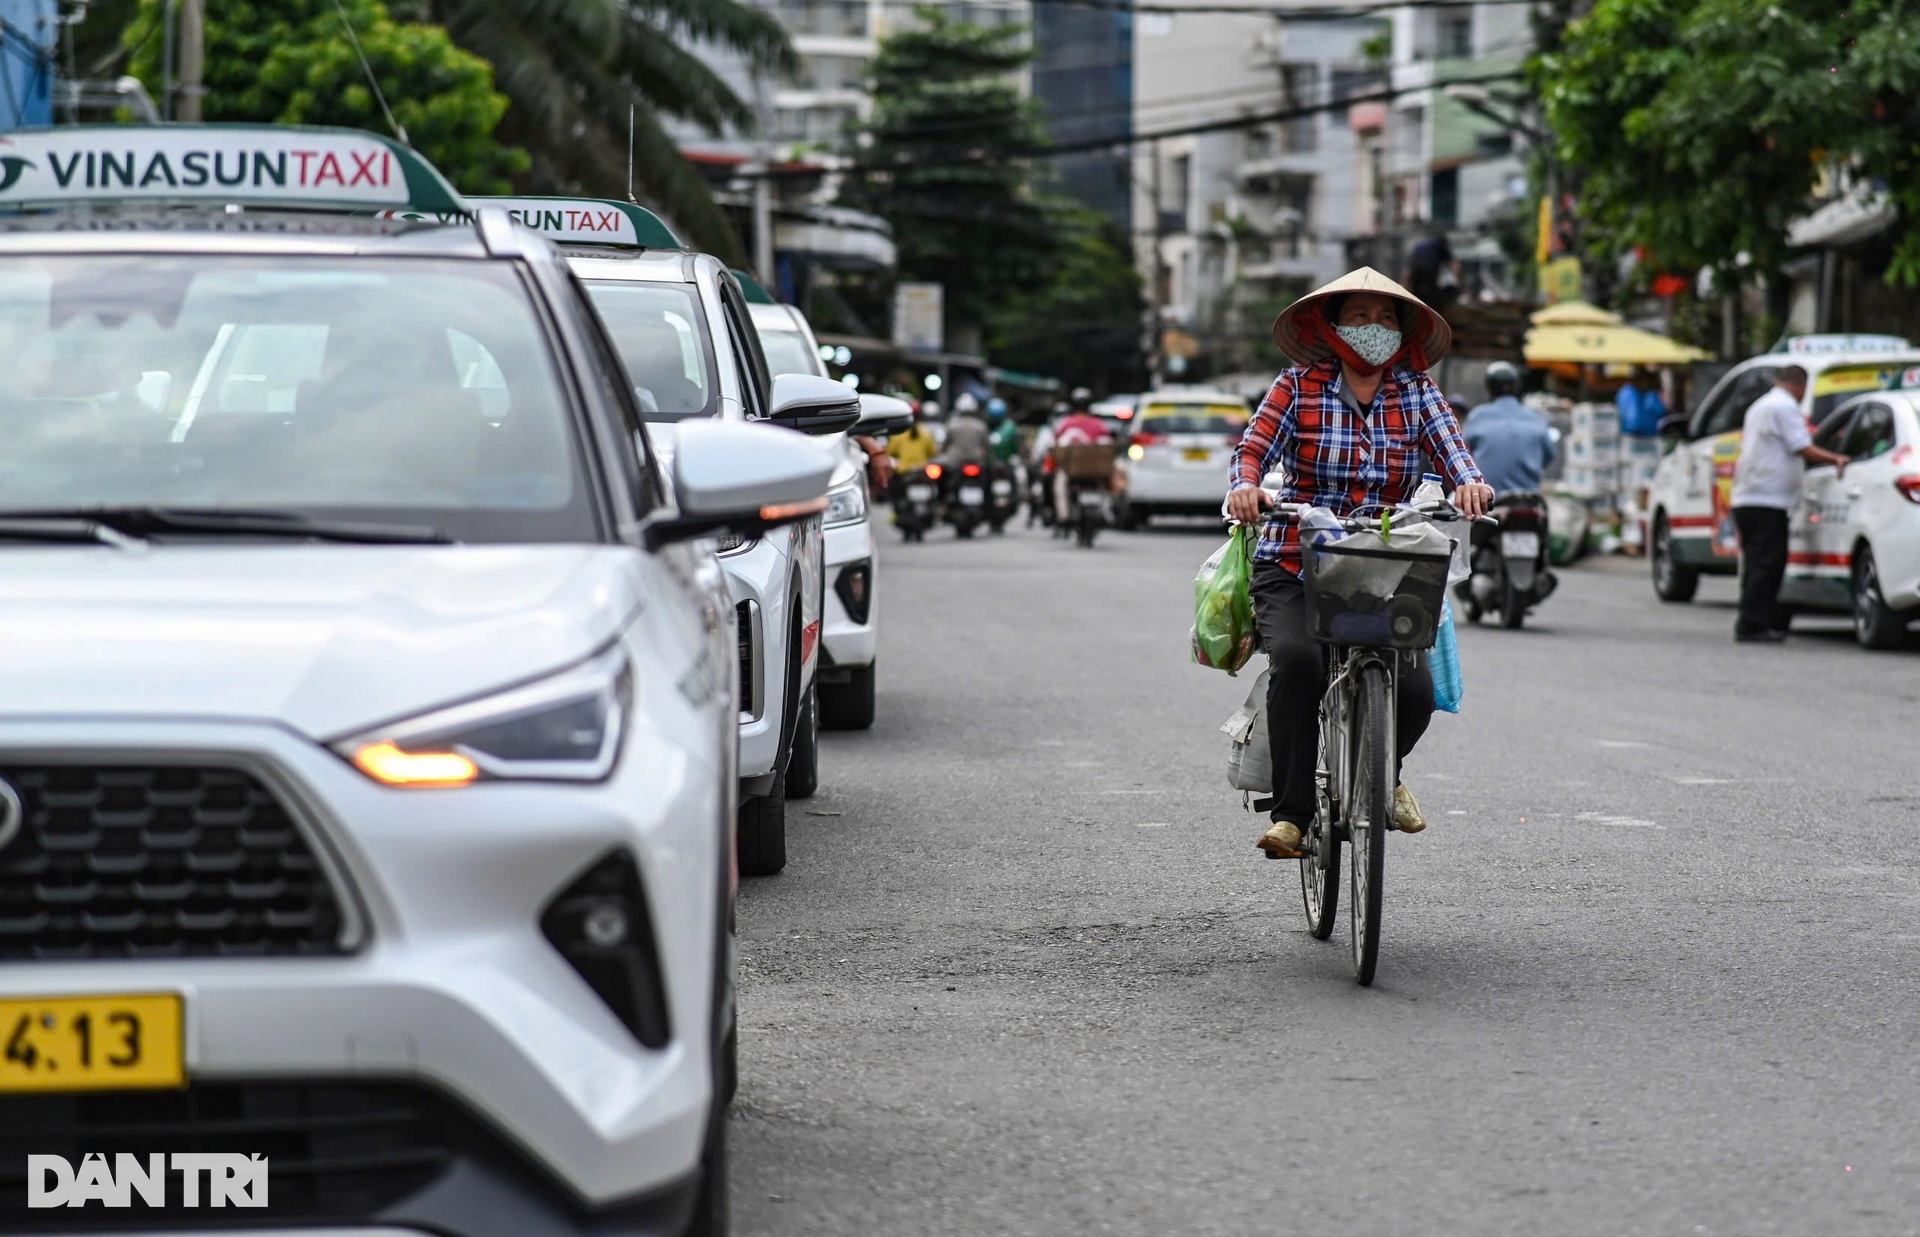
<point>158,861</point>
<point>334,1150</point>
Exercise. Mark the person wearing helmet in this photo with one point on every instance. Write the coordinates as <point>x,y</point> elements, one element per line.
<point>1003,435</point>
<point>913,447</point>
<point>966,434</point>
<point>1510,441</point>
<point>1346,426</point>
<point>1079,426</point>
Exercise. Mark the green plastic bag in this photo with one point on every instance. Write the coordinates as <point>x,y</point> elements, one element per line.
<point>1222,636</point>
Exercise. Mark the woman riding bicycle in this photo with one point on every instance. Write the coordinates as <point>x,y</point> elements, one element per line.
<point>1347,426</point>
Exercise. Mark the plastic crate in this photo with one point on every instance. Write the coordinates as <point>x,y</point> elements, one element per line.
<point>1374,598</point>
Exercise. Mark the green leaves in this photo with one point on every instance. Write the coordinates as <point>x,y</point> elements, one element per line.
<point>290,62</point>
<point>1699,128</point>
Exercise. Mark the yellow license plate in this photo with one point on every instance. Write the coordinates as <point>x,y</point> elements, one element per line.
<point>1198,453</point>
<point>91,1043</point>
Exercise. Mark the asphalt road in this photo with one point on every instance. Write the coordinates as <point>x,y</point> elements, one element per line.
<point>1650,971</point>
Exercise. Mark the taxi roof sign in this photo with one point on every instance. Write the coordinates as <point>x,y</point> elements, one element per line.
<point>752,290</point>
<point>1808,345</point>
<point>588,221</point>
<point>285,166</point>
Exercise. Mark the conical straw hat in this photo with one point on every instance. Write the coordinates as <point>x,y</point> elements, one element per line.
<point>1305,344</point>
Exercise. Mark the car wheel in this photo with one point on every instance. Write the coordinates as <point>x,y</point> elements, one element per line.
<point>762,833</point>
<point>803,766</point>
<point>1875,624</point>
<point>711,1217</point>
<point>1671,580</point>
<point>849,705</point>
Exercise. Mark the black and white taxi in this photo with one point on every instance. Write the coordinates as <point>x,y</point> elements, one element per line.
<point>681,324</point>
<point>367,729</point>
<point>1690,529</point>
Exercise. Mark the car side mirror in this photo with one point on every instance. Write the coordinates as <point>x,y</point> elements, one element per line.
<point>814,405</point>
<point>881,415</point>
<point>744,479</point>
<point>1673,427</point>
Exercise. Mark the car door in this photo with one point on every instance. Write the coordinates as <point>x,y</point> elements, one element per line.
<point>1715,451</point>
<point>1810,536</point>
<point>1864,498</point>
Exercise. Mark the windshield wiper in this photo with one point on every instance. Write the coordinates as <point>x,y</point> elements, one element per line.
<point>65,530</point>
<point>136,523</point>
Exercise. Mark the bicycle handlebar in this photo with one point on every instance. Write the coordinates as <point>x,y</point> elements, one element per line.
<point>1440,511</point>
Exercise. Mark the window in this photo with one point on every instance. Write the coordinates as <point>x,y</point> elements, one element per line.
<point>662,339</point>
<point>1443,205</point>
<point>1834,430</point>
<point>1456,33</point>
<point>1872,434</point>
<point>1725,411</point>
<point>787,353</point>
<point>1300,87</point>
<point>313,385</point>
<point>1348,83</point>
<point>833,72</point>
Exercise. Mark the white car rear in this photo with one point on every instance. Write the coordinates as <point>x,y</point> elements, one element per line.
<point>1177,459</point>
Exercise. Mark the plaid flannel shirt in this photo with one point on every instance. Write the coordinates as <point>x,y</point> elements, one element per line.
<point>1337,460</point>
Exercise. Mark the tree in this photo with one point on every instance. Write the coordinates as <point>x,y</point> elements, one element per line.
<point>576,69</point>
<point>942,160</point>
<point>291,62</point>
<point>1701,127</point>
<point>1083,327</point>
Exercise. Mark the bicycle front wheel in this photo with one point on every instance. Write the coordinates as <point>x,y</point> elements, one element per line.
<point>1369,813</point>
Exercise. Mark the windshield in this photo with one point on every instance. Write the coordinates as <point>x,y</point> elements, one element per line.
<point>787,353</point>
<point>414,390</point>
<point>662,338</point>
<point>1193,419</point>
<point>1833,387</point>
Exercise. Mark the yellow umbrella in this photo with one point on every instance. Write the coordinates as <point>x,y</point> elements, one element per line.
<point>1575,313</point>
<point>1605,344</point>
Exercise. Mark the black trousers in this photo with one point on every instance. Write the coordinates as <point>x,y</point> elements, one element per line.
<point>1763,565</point>
<point>1299,679</point>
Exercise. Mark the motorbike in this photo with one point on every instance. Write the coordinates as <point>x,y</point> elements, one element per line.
<point>1003,495</point>
<point>1089,509</point>
<point>1510,572</point>
<point>966,506</point>
<point>916,501</point>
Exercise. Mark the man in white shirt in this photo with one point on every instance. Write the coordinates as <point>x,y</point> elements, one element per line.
<point>1774,441</point>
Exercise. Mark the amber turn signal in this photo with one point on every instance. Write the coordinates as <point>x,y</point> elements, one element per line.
<point>384,762</point>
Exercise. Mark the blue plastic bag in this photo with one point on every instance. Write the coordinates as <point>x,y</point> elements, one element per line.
<point>1445,663</point>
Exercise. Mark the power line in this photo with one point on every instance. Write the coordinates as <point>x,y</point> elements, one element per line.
<point>1364,8</point>
<point>1052,150</point>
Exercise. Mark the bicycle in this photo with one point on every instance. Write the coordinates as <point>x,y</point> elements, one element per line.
<point>1365,648</point>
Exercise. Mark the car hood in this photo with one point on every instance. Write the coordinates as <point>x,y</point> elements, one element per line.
<point>325,639</point>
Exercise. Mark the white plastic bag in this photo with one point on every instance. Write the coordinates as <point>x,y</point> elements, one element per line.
<point>1250,759</point>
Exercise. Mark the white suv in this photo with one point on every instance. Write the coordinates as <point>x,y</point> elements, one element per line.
<point>852,624</point>
<point>366,717</point>
<point>684,332</point>
<point>1690,508</point>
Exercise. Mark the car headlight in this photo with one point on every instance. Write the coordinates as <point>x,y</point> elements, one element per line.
<point>563,728</point>
<point>733,543</point>
<point>846,503</point>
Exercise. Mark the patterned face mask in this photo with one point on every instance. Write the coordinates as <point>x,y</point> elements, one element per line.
<point>1373,343</point>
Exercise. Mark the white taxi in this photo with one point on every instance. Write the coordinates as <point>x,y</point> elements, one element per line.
<point>681,324</point>
<point>1177,456</point>
<point>1690,529</point>
<point>1855,539</point>
<point>367,733</point>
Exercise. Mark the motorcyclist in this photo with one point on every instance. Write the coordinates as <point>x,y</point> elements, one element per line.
<point>967,434</point>
<point>1003,435</point>
<point>1511,442</point>
<point>1078,426</point>
<point>914,446</point>
<point>1040,466</point>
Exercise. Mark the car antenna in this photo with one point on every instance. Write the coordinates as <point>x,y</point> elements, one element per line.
<point>353,37</point>
<point>630,197</point>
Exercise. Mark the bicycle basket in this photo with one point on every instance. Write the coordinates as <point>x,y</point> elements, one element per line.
<point>1085,461</point>
<point>1362,593</point>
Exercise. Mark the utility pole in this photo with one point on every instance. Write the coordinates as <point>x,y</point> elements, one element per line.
<point>763,190</point>
<point>1156,360</point>
<point>193,59</point>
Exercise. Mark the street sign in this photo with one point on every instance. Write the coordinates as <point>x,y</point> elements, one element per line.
<point>919,316</point>
<point>245,165</point>
<point>588,221</point>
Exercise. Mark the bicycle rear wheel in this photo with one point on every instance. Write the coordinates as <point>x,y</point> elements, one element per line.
<point>1369,813</point>
<point>1320,865</point>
